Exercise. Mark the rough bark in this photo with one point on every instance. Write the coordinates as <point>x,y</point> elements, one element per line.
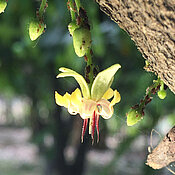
<point>164,153</point>
<point>151,25</point>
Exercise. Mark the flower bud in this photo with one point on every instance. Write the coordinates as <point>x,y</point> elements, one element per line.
<point>3,4</point>
<point>161,94</point>
<point>36,28</point>
<point>133,117</point>
<point>71,27</point>
<point>81,41</point>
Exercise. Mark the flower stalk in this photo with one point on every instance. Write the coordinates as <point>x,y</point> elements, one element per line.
<point>71,7</point>
<point>42,8</point>
<point>89,75</point>
<point>136,112</point>
<point>78,5</point>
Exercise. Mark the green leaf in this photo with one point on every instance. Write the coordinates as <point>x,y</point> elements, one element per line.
<point>103,81</point>
<point>79,78</point>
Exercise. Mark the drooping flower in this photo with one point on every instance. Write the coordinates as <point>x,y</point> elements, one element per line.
<point>90,103</point>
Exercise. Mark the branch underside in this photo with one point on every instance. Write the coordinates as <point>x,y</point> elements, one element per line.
<point>151,25</point>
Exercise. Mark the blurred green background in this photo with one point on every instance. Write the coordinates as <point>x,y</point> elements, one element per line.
<point>37,137</point>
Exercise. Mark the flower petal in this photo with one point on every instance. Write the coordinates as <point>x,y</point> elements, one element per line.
<point>73,110</point>
<point>62,100</point>
<point>75,102</point>
<point>104,109</point>
<point>116,98</point>
<point>81,81</point>
<point>87,108</point>
<point>103,81</point>
<point>64,69</point>
<point>108,94</point>
<point>76,98</point>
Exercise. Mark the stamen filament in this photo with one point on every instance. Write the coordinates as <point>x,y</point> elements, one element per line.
<point>93,126</point>
<point>97,127</point>
<point>85,122</point>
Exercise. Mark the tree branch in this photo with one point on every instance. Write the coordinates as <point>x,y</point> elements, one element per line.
<point>151,25</point>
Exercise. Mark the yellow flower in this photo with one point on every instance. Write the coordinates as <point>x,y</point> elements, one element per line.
<point>90,104</point>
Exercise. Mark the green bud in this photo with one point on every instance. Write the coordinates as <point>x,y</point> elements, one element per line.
<point>3,4</point>
<point>36,28</point>
<point>133,117</point>
<point>81,41</point>
<point>161,94</point>
<point>71,27</point>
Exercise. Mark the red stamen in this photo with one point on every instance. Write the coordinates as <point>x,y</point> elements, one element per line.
<point>93,126</point>
<point>85,122</point>
<point>97,126</point>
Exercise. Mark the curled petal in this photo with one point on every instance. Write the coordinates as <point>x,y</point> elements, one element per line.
<point>81,81</point>
<point>108,94</point>
<point>62,100</point>
<point>103,81</point>
<point>73,110</point>
<point>116,98</point>
<point>104,109</point>
<point>75,102</point>
<point>63,69</point>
